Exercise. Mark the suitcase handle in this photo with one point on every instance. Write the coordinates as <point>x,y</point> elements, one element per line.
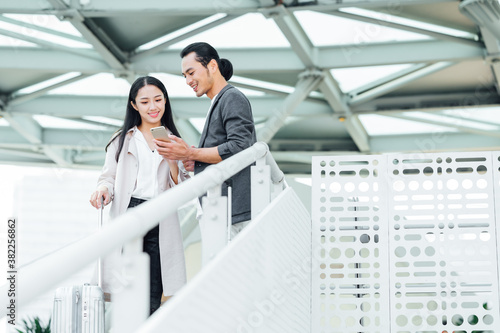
<point>99,262</point>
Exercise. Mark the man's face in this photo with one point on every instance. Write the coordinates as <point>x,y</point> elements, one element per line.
<point>198,77</point>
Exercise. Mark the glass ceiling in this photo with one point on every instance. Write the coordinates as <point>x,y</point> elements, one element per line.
<point>264,33</point>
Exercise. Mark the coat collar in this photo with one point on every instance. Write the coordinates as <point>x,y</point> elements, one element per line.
<point>223,90</point>
<point>212,108</point>
<point>131,147</point>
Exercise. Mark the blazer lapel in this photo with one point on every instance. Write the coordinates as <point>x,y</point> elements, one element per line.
<point>207,122</point>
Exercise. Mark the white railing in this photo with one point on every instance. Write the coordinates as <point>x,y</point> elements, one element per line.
<point>44,274</point>
<point>260,282</point>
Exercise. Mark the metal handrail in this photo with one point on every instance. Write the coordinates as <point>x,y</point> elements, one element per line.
<point>277,176</point>
<point>41,275</point>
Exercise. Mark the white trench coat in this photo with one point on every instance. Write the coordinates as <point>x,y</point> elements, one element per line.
<point>120,178</point>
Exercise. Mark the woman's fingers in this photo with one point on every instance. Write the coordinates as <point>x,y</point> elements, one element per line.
<point>98,197</point>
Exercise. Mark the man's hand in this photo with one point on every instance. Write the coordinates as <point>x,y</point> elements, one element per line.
<point>189,164</point>
<point>177,149</point>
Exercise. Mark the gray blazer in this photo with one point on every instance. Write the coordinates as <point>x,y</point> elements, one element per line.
<point>230,127</point>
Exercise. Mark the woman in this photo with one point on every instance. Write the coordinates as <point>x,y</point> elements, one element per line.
<point>134,172</point>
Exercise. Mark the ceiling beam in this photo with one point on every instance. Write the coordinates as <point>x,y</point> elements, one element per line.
<point>453,123</point>
<point>23,153</point>
<point>328,5</point>
<point>58,155</point>
<point>253,60</point>
<point>333,95</point>
<point>255,87</point>
<point>42,29</point>
<point>337,101</point>
<point>86,157</point>
<point>195,7</point>
<point>11,140</point>
<point>79,139</point>
<point>102,125</point>
<point>104,45</point>
<point>26,7</point>
<point>486,14</point>
<point>468,117</point>
<point>378,54</point>
<point>137,54</point>
<point>303,47</point>
<point>55,61</point>
<point>435,142</point>
<point>58,4</point>
<point>26,126</point>
<point>294,33</point>
<point>159,7</point>
<point>386,79</point>
<point>47,44</point>
<point>279,60</point>
<point>493,47</point>
<point>23,161</point>
<point>398,83</point>
<point>408,28</point>
<point>434,102</point>
<point>357,132</point>
<point>74,106</point>
<point>92,34</point>
<point>101,42</point>
<point>307,83</point>
<point>16,99</point>
<point>78,148</point>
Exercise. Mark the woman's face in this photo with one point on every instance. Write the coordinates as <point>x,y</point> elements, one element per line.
<point>150,103</point>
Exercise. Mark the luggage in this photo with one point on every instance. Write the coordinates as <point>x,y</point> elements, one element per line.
<point>80,309</point>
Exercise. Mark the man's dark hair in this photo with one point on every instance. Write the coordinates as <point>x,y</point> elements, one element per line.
<point>205,53</point>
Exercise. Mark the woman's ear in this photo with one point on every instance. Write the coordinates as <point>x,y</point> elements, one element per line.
<point>133,105</point>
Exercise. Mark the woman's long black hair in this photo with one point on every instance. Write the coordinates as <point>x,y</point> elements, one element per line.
<point>133,118</point>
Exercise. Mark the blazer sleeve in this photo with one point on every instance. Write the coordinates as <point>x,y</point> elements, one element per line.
<point>108,174</point>
<point>237,118</point>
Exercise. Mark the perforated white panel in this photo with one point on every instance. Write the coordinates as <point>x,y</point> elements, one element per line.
<point>350,243</point>
<point>443,243</point>
<point>437,266</point>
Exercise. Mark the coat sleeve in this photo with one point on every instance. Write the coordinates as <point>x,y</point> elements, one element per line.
<point>238,122</point>
<point>182,176</point>
<point>108,174</point>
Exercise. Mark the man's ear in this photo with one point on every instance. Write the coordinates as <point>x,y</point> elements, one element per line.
<point>212,65</point>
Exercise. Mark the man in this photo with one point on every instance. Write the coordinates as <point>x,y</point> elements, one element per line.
<point>229,127</point>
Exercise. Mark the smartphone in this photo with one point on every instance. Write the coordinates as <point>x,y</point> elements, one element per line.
<point>161,133</point>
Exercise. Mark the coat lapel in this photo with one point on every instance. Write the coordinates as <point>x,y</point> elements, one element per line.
<point>207,122</point>
<point>131,148</point>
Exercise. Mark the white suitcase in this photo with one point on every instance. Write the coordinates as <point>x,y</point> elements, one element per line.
<point>79,309</point>
<point>66,315</point>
